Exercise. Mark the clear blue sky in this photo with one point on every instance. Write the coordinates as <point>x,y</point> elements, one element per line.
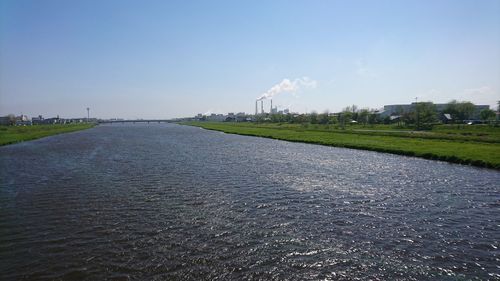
<point>161,59</point>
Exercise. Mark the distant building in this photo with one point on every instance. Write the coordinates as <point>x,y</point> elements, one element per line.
<point>216,117</point>
<point>48,121</point>
<point>54,120</point>
<point>398,109</point>
<point>37,120</point>
<point>213,117</point>
<point>6,120</point>
<point>22,118</point>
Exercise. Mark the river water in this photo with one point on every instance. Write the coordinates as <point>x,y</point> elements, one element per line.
<point>164,201</point>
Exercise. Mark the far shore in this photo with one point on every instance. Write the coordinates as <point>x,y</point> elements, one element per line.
<point>15,134</point>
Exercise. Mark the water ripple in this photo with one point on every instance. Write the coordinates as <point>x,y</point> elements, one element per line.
<point>162,202</point>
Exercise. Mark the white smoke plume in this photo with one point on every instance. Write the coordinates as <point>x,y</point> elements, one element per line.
<point>288,86</point>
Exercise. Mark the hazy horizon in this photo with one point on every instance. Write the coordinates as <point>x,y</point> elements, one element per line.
<point>166,59</point>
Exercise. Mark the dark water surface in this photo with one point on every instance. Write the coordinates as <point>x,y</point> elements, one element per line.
<point>173,202</point>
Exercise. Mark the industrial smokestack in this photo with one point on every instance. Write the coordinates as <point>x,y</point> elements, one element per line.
<point>262,106</point>
<point>271,111</point>
<point>256,108</point>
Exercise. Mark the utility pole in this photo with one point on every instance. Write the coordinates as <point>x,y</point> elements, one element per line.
<point>416,109</point>
<point>88,114</point>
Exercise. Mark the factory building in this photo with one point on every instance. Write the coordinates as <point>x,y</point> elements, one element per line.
<point>396,109</point>
<point>272,110</point>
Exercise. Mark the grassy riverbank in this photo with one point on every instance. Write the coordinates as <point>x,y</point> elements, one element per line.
<point>478,147</point>
<point>13,134</point>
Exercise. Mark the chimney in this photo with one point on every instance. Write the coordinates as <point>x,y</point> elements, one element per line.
<point>256,110</point>
<point>262,106</point>
<point>271,111</point>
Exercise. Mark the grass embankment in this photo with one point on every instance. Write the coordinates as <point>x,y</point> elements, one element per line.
<point>13,134</point>
<point>478,147</point>
<point>476,133</point>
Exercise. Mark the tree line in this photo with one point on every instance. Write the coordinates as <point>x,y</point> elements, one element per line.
<point>421,114</point>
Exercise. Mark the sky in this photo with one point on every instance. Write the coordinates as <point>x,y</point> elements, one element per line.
<point>165,59</point>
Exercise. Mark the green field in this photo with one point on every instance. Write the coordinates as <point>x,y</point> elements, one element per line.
<point>13,134</point>
<point>474,145</point>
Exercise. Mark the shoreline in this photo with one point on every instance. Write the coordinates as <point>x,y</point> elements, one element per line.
<point>16,134</point>
<point>485,158</point>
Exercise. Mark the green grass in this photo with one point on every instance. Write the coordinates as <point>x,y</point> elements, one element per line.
<point>480,149</point>
<point>13,134</point>
<point>475,133</point>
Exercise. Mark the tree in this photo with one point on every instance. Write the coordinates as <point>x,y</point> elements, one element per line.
<point>363,116</point>
<point>487,114</point>
<point>12,119</point>
<point>460,110</point>
<point>333,120</point>
<point>323,118</point>
<point>372,117</point>
<point>313,118</point>
<point>427,112</point>
<point>408,118</point>
<point>277,118</point>
<point>346,116</point>
<point>452,109</point>
<point>350,113</point>
<point>352,109</point>
<point>300,118</point>
<point>465,110</point>
<point>424,113</point>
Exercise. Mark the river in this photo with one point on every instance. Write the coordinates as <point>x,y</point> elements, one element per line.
<point>164,201</point>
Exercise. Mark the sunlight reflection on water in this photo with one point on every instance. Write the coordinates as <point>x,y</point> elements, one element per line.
<point>172,202</point>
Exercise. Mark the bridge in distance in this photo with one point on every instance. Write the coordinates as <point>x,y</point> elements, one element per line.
<point>136,121</point>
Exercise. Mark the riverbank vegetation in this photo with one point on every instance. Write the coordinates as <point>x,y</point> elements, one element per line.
<point>477,145</point>
<point>416,116</point>
<point>13,134</point>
